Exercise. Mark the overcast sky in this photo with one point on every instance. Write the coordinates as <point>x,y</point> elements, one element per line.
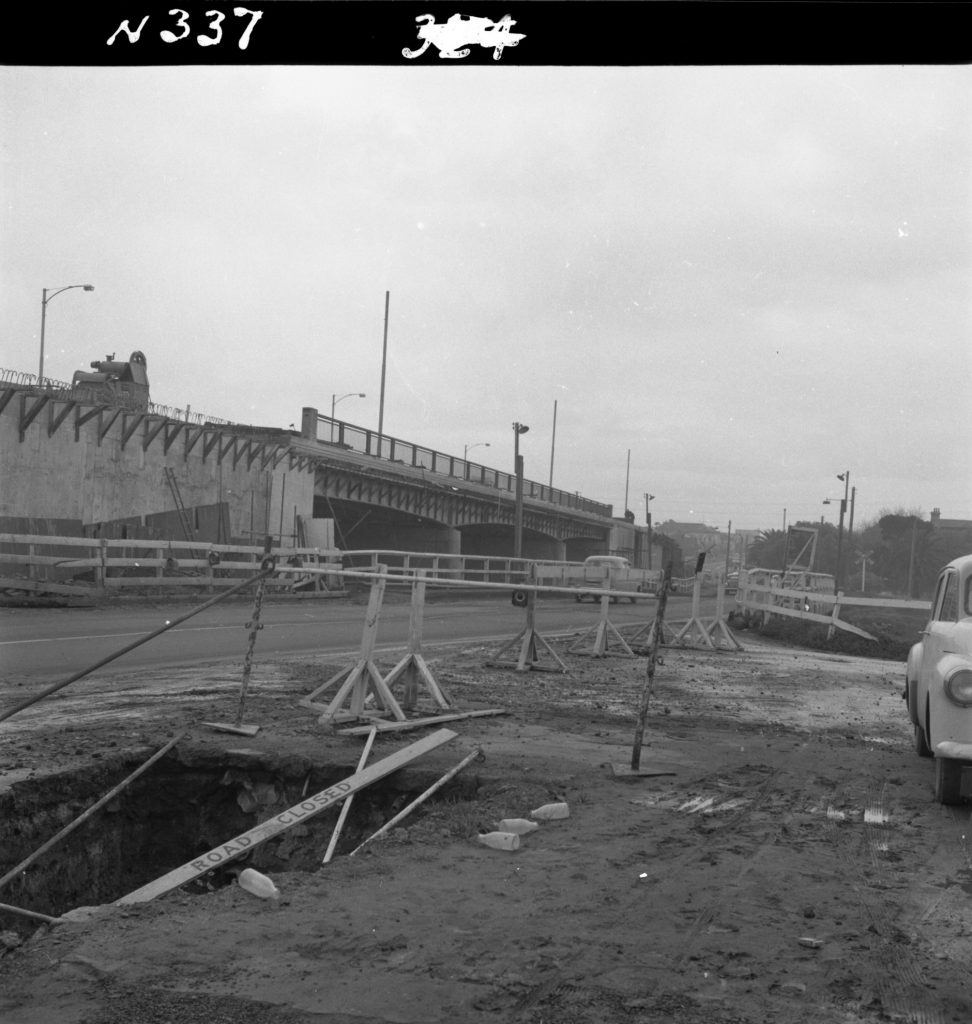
<point>751,279</point>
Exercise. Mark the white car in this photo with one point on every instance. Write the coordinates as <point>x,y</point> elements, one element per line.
<point>938,683</point>
<point>617,572</point>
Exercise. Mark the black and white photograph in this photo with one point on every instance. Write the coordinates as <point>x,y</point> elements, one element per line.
<point>485,521</point>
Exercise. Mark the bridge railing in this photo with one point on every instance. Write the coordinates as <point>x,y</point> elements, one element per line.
<point>393,449</point>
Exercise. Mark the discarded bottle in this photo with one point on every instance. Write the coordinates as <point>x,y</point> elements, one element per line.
<point>500,840</point>
<point>550,812</point>
<point>258,884</point>
<point>519,826</point>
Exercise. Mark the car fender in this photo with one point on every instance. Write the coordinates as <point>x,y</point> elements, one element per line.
<point>912,682</point>
<point>950,723</point>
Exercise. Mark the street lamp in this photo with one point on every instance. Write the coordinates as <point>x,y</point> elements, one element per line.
<point>46,295</point>
<point>518,428</point>
<point>469,447</point>
<point>845,479</point>
<point>334,401</point>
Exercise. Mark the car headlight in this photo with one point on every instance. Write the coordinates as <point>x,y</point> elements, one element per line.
<point>958,687</point>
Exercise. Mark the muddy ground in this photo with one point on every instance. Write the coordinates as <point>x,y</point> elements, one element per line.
<point>790,865</point>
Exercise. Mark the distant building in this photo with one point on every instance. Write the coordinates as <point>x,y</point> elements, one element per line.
<point>956,533</point>
<point>693,536</point>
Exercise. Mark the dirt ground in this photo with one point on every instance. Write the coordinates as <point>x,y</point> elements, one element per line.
<point>790,865</point>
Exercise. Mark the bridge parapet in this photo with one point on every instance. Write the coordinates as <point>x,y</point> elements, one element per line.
<point>348,437</point>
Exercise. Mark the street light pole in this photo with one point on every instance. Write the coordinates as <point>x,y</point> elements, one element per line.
<point>648,499</point>
<point>845,477</point>
<point>334,401</point>
<point>45,298</point>
<point>518,428</point>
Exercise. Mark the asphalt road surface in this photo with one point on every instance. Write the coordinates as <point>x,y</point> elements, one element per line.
<point>53,643</point>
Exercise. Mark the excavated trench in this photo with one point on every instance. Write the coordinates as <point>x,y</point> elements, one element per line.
<point>182,807</point>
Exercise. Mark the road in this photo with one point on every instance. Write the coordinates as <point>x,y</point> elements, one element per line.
<point>53,643</point>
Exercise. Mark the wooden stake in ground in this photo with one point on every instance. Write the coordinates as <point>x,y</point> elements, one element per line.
<point>254,627</point>
<point>650,680</point>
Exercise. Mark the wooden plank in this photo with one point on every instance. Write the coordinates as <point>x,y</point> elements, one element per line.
<point>417,723</point>
<point>44,586</point>
<point>296,815</point>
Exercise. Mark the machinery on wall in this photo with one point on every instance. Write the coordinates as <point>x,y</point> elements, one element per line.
<point>114,382</point>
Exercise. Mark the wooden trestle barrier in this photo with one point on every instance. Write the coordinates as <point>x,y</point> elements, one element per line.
<point>363,679</point>
<point>696,629</point>
<point>530,641</point>
<point>603,630</point>
<point>413,668</point>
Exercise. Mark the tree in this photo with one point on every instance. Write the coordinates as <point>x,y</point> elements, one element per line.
<point>908,553</point>
<point>767,551</point>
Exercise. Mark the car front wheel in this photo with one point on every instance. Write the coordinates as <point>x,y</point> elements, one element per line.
<point>948,780</point>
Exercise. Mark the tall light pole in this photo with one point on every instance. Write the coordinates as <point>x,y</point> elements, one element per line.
<point>518,428</point>
<point>46,295</point>
<point>334,401</point>
<point>845,477</point>
<point>648,499</point>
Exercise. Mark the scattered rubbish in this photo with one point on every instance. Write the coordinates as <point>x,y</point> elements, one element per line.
<point>258,884</point>
<point>550,812</point>
<point>519,826</point>
<point>810,943</point>
<point>500,840</point>
<point>699,803</point>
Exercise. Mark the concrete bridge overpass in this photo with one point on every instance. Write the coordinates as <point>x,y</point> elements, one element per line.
<point>118,471</point>
<point>383,491</point>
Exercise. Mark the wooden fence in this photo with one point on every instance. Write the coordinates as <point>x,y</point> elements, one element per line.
<point>757,603</point>
<point>86,565</point>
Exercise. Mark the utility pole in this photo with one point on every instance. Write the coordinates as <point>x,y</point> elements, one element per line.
<point>553,441</point>
<point>648,498</point>
<point>384,360</point>
<point>845,477</point>
<point>911,557</point>
<point>627,479</point>
<point>518,428</point>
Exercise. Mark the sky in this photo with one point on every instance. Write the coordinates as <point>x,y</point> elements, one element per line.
<point>721,286</point>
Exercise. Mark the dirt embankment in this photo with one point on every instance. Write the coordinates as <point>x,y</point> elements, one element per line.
<point>786,862</point>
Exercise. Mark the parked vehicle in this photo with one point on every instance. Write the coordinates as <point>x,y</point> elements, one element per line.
<point>938,681</point>
<point>619,574</point>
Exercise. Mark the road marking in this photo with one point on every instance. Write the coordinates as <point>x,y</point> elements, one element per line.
<point>109,636</point>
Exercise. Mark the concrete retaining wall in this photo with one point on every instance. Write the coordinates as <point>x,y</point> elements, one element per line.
<point>98,479</point>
